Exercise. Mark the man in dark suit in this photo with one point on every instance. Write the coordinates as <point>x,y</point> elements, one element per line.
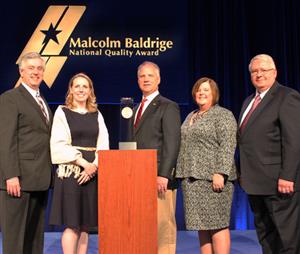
<point>25,164</point>
<point>156,125</point>
<point>269,145</point>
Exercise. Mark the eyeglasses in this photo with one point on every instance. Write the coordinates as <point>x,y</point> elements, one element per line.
<point>262,71</point>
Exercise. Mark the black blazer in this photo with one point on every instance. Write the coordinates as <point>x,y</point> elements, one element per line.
<point>159,128</point>
<point>269,145</point>
<point>25,136</point>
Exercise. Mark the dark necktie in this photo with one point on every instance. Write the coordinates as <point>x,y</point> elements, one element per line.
<point>41,104</point>
<point>257,100</point>
<point>139,113</point>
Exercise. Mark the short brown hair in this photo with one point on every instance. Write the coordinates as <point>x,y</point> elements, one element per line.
<point>91,104</point>
<point>213,86</point>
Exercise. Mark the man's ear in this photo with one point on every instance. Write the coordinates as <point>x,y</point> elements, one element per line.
<point>275,71</point>
<point>21,72</point>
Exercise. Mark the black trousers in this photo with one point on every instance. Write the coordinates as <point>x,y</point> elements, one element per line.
<point>277,222</point>
<point>22,222</point>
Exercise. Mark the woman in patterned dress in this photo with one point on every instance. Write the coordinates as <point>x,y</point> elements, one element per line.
<point>206,167</point>
<point>78,132</point>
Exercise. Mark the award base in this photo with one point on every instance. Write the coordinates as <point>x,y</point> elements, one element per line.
<point>127,146</point>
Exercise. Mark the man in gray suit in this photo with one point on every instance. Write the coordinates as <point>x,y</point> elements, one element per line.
<point>156,125</point>
<point>25,164</point>
<point>269,145</point>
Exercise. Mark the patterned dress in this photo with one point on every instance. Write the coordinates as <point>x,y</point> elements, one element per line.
<point>207,147</point>
<point>75,205</point>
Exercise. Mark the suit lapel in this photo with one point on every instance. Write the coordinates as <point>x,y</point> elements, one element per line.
<point>49,111</point>
<point>28,97</point>
<point>245,105</point>
<point>149,110</point>
<point>261,106</point>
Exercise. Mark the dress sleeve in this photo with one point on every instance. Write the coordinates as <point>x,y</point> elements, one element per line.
<point>62,150</point>
<point>103,137</point>
<point>226,128</point>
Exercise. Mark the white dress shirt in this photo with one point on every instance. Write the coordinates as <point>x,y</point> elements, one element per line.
<point>262,95</point>
<point>147,102</point>
<point>34,94</point>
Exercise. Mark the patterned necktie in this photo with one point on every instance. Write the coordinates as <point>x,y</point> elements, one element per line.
<point>257,100</point>
<point>139,113</point>
<point>41,104</point>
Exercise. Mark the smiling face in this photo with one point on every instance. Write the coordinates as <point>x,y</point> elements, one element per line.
<point>80,90</point>
<point>32,72</point>
<point>204,96</point>
<point>263,73</point>
<point>148,79</point>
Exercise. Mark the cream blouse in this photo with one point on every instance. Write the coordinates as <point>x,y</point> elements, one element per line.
<point>62,151</point>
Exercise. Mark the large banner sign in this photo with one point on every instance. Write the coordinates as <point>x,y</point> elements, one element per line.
<point>51,35</point>
<point>105,42</point>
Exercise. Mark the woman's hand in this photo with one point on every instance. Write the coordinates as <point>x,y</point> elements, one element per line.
<point>91,169</point>
<point>83,178</point>
<point>218,182</point>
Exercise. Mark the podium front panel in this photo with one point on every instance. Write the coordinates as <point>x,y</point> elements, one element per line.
<point>127,201</point>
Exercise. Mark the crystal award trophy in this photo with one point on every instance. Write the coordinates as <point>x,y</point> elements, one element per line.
<point>126,118</point>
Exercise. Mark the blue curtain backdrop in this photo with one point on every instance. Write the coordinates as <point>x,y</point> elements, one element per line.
<point>217,39</point>
<point>224,36</point>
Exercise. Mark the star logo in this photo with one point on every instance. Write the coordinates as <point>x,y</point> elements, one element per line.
<point>50,34</point>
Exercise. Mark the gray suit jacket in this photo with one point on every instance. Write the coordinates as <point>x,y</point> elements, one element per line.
<point>159,128</point>
<point>269,145</point>
<point>25,136</point>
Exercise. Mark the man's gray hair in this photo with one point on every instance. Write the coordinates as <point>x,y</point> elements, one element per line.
<point>265,58</point>
<point>154,65</point>
<point>30,55</point>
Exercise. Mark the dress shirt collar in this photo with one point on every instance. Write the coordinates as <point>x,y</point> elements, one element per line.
<point>262,95</point>
<point>151,96</point>
<point>31,91</point>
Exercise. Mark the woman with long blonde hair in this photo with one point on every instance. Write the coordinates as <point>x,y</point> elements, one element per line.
<point>78,132</point>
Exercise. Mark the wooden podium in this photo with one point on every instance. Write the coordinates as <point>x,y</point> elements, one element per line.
<point>127,202</point>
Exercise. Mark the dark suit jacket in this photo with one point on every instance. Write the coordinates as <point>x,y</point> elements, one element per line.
<point>24,145</point>
<point>159,128</point>
<point>269,145</point>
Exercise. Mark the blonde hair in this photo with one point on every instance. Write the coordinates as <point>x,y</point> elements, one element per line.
<point>91,104</point>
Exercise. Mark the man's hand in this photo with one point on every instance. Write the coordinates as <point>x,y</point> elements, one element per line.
<point>285,187</point>
<point>13,187</point>
<point>162,184</point>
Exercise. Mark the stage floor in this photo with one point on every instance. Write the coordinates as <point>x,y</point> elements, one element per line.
<point>242,242</point>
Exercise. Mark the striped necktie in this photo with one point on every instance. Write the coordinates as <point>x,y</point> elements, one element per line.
<point>42,107</point>
<point>257,100</point>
